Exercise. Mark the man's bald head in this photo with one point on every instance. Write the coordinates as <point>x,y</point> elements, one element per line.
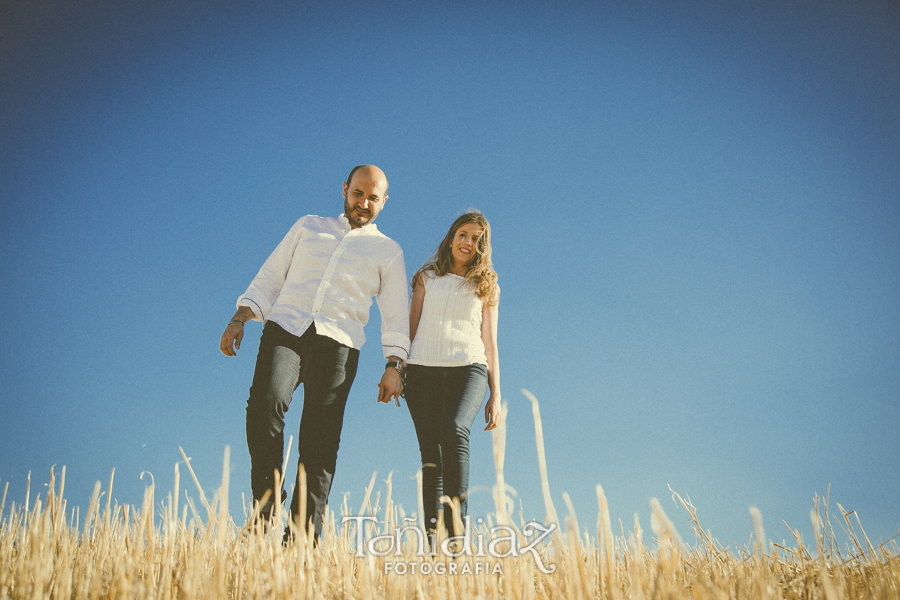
<point>372,171</point>
<point>365,192</point>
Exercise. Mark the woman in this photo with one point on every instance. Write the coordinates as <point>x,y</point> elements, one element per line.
<point>453,360</point>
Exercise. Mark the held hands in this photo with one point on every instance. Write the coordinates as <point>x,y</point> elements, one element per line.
<point>390,387</point>
<point>492,412</point>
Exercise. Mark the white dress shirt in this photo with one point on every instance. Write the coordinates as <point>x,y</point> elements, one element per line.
<point>449,331</point>
<point>325,272</point>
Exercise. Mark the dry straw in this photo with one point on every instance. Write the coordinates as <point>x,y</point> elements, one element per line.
<point>47,551</point>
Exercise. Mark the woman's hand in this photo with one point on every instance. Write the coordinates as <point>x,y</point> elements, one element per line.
<point>492,413</point>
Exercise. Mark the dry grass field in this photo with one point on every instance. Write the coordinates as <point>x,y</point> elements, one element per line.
<point>193,549</point>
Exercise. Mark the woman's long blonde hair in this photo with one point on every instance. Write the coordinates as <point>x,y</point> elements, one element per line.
<point>481,275</point>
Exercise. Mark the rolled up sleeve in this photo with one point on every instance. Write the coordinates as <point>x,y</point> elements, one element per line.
<point>267,285</point>
<point>393,303</point>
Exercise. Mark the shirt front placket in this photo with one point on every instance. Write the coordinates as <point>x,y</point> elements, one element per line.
<point>333,264</point>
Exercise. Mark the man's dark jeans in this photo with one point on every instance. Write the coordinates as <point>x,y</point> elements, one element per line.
<point>326,369</point>
<point>443,403</point>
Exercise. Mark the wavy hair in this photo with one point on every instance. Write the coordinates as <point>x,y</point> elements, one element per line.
<point>480,275</point>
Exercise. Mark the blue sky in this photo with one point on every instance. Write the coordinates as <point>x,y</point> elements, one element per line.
<point>696,226</point>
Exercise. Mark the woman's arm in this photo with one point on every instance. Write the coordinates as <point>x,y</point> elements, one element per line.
<point>489,315</point>
<point>415,308</point>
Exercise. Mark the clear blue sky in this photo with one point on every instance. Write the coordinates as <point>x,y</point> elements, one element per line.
<point>696,212</point>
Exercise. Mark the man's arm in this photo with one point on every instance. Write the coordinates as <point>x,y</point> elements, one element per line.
<point>266,286</point>
<point>394,307</point>
<point>393,304</point>
<point>415,311</point>
<point>263,291</point>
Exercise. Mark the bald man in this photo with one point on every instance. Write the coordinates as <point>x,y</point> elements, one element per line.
<point>313,296</point>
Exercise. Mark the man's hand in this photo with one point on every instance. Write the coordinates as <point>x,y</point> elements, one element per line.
<point>234,333</point>
<point>492,413</point>
<point>391,386</point>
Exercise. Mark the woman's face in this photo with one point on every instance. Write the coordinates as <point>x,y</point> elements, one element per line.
<point>464,245</point>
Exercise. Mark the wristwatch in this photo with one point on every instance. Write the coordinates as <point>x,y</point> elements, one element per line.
<point>396,364</point>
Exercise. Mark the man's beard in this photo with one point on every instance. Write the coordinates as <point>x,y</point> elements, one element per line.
<point>355,218</point>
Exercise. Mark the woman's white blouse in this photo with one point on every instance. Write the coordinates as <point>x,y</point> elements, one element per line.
<point>449,331</point>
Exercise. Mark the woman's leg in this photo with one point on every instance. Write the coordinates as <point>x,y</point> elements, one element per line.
<point>424,393</point>
<point>465,396</point>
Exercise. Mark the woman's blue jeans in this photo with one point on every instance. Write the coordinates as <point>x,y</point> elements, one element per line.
<point>443,403</point>
<point>326,368</point>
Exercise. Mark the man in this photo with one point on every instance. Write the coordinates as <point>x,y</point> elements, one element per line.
<point>313,295</point>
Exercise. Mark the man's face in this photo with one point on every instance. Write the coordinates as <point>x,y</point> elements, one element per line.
<point>364,197</point>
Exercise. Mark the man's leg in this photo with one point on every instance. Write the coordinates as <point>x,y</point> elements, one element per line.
<point>274,381</point>
<point>328,371</point>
